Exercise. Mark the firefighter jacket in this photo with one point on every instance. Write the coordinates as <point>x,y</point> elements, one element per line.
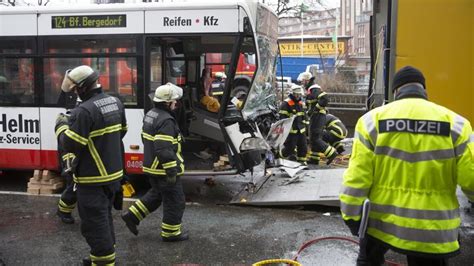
<point>335,127</point>
<point>292,107</point>
<point>407,159</point>
<point>94,134</point>
<point>316,101</point>
<point>162,141</point>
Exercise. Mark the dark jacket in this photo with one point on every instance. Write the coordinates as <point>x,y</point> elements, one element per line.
<point>162,143</point>
<point>335,127</point>
<point>316,101</point>
<point>94,134</point>
<point>291,107</point>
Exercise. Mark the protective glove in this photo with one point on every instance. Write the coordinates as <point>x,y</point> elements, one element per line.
<point>61,119</point>
<point>353,226</point>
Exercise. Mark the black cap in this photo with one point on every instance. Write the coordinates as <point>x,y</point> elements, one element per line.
<point>406,75</point>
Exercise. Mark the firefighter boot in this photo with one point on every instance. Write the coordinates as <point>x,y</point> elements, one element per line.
<point>340,149</point>
<point>86,261</point>
<point>65,217</point>
<point>331,158</point>
<point>181,237</point>
<point>131,222</point>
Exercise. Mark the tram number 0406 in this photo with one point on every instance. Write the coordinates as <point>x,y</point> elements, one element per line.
<point>134,164</point>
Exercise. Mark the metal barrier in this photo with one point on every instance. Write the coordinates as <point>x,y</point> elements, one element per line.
<point>347,101</point>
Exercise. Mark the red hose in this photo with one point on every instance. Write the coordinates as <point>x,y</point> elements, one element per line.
<point>316,240</point>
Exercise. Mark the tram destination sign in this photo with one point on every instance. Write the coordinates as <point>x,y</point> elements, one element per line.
<point>96,21</point>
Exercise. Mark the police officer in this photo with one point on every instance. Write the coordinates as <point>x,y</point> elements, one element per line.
<point>94,132</point>
<point>317,100</point>
<point>163,163</point>
<point>334,132</point>
<point>407,159</point>
<point>293,106</point>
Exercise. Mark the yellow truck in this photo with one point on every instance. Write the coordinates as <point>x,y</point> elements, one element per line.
<point>435,36</point>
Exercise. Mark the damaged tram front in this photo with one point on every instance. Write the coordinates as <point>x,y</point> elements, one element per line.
<point>135,49</point>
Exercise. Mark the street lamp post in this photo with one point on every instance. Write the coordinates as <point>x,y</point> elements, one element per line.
<point>303,8</point>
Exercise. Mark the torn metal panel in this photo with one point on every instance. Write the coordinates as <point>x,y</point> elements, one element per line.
<point>319,186</point>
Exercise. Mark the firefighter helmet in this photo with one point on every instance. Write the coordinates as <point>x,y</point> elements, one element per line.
<point>220,75</point>
<point>80,77</point>
<point>297,89</point>
<point>304,76</point>
<point>168,93</point>
<point>314,86</point>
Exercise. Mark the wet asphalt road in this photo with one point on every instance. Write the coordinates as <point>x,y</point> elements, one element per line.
<point>31,234</point>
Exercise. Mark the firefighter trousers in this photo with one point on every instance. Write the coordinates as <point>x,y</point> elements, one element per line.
<point>317,123</point>
<point>95,204</point>
<point>331,139</point>
<point>298,141</point>
<point>68,199</point>
<point>147,204</point>
<point>372,253</point>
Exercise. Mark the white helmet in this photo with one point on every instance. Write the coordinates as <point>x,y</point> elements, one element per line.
<point>167,93</point>
<point>304,76</point>
<point>221,75</point>
<point>297,89</point>
<point>81,76</point>
<point>314,86</point>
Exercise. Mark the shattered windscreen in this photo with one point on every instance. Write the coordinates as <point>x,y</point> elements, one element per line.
<point>262,95</point>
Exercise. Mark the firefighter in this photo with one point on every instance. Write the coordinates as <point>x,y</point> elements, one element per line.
<point>94,132</point>
<point>334,132</point>
<point>306,80</point>
<point>163,163</point>
<point>317,101</point>
<point>67,201</point>
<point>408,157</point>
<point>217,85</point>
<point>293,106</point>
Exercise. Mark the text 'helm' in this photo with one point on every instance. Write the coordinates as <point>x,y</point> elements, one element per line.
<point>168,93</point>
<point>81,77</point>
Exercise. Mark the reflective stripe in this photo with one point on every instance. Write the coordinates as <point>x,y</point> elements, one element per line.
<point>370,127</point>
<point>459,150</point>
<point>412,234</point>
<point>142,207</point>
<point>337,134</point>
<point>154,171</point>
<point>102,258</point>
<point>97,179</point>
<point>147,136</point>
<point>415,156</point>
<point>68,156</point>
<point>218,93</point>
<point>65,207</point>
<point>125,128</point>
<point>351,210</point>
<point>61,129</point>
<point>329,151</point>
<point>96,157</point>
<point>300,114</point>
<point>364,141</point>
<point>136,212</point>
<point>105,130</point>
<point>76,137</point>
<point>322,94</point>
<point>155,163</point>
<point>169,234</point>
<point>417,214</point>
<point>166,138</point>
<point>283,112</point>
<point>170,227</point>
<point>170,164</point>
<point>355,192</point>
<point>311,101</point>
<point>456,130</point>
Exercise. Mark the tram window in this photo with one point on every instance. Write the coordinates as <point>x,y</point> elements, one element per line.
<point>118,76</point>
<point>88,46</point>
<point>16,47</point>
<point>176,72</point>
<point>156,71</point>
<point>16,81</point>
